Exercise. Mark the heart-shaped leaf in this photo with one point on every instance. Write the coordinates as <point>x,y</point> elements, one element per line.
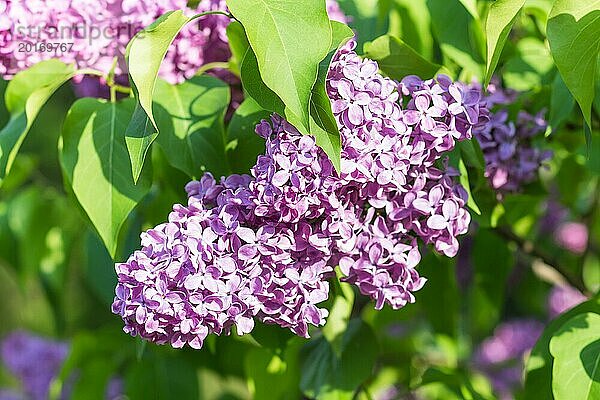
<point>96,164</point>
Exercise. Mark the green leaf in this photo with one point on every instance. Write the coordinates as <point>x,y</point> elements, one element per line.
<point>501,17</point>
<point>397,59</point>
<point>322,122</point>
<point>538,370</point>
<point>439,297</point>
<point>448,383</point>
<point>4,114</point>
<point>576,351</point>
<point>93,359</point>
<point>530,67</point>
<point>471,6</point>
<point>263,367</point>
<point>192,128</point>
<point>101,280</point>
<point>326,375</point>
<point>238,44</point>
<point>561,103</point>
<point>25,96</point>
<point>326,131</point>
<point>244,145</point>
<point>96,164</point>
<point>161,376</point>
<point>369,17</point>
<point>339,314</point>
<point>410,20</point>
<point>574,37</point>
<point>144,55</point>
<point>591,272</point>
<point>464,181</point>
<point>492,263</point>
<point>459,34</point>
<point>252,82</point>
<point>288,53</point>
<point>471,152</point>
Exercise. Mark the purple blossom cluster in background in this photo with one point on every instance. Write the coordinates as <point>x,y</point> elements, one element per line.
<point>34,360</point>
<point>262,246</point>
<point>511,158</point>
<point>572,236</point>
<point>568,234</point>
<point>95,31</point>
<point>501,356</point>
<point>563,298</point>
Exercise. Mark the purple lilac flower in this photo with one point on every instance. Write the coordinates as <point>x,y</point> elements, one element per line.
<point>572,236</point>
<point>11,395</point>
<point>500,357</point>
<point>35,361</point>
<point>555,214</point>
<point>96,31</point>
<point>115,389</point>
<point>216,264</point>
<point>261,246</point>
<point>390,190</point>
<point>511,159</point>
<point>563,298</point>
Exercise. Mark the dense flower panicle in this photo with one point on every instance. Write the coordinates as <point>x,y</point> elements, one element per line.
<point>501,356</point>
<point>391,191</point>
<point>217,264</point>
<point>563,298</point>
<point>35,361</point>
<point>262,246</point>
<point>511,159</point>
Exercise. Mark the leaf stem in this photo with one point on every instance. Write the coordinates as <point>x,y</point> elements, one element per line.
<point>109,78</point>
<point>212,65</point>
<point>215,12</point>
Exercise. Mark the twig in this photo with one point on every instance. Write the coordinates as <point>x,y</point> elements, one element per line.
<point>529,249</point>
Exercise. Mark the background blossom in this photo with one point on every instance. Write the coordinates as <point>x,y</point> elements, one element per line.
<point>512,159</point>
<point>98,31</point>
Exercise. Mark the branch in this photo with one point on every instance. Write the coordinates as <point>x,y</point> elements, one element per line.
<point>528,248</point>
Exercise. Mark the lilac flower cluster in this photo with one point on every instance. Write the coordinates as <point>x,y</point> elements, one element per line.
<point>511,158</point>
<point>263,246</point>
<point>35,361</point>
<point>228,257</point>
<point>93,32</point>
<point>500,357</point>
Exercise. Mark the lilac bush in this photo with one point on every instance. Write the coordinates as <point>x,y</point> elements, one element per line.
<point>261,246</point>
